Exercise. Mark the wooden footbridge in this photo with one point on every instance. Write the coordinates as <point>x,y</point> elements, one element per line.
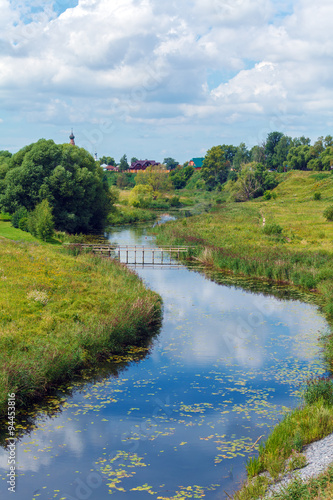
<point>139,254</point>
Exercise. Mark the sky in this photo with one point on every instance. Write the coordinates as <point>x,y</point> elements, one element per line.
<point>156,79</point>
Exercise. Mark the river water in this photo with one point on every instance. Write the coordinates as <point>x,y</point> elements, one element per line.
<point>177,420</point>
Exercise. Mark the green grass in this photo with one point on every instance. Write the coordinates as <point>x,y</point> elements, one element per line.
<point>128,215</point>
<point>295,249</point>
<point>60,314</point>
<point>320,488</point>
<point>8,231</point>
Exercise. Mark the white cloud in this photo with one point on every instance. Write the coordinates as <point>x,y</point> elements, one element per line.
<point>154,61</point>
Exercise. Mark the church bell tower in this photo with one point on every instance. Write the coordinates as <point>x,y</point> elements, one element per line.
<point>72,137</point>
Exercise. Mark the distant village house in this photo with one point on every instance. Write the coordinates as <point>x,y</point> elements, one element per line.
<point>196,163</point>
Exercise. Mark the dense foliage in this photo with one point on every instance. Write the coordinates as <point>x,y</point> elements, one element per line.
<point>66,176</point>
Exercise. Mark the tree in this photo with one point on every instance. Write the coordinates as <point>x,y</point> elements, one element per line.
<point>123,165</point>
<point>170,163</point>
<point>247,186</point>
<point>215,167</point>
<point>272,142</point>
<point>242,156</point>
<point>134,159</point>
<point>155,176</point>
<point>298,157</point>
<point>258,153</point>
<point>141,196</point>
<point>180,176</point>
<point>68,177</point>
<point>229,152</point>
<point>108,160</point>
<point>40,221</point>
<point>125,180</point>
<point>281,152</point>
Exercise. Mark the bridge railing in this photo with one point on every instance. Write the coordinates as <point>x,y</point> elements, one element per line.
<point>138,254</point>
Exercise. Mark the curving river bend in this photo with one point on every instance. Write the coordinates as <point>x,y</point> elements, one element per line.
<point>177,420</point>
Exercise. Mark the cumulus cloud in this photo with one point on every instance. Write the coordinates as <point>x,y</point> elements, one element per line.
<point>154,61</point>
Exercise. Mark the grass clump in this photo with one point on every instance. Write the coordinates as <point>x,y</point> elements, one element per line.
<point>272,229</point>
<point>296,461</point>
<point>317,196</point>
<point>319,389</point>
<point>319,488</point>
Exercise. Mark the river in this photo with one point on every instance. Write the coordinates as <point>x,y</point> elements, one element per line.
<point>179,419</point>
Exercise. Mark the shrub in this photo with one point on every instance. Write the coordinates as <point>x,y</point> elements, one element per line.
<point>297,461</point>
<point>317,196</point>
<point>319,388</point>
<point>23,224</point>
<point>267,195</point>
<point>272,228</point>
<point>328,213</point>
<point>21,213</point>
<point>175,201</point>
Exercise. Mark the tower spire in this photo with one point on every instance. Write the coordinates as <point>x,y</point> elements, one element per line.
<point>72,137</point>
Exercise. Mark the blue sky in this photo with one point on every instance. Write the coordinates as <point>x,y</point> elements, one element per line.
<point>154,79</point>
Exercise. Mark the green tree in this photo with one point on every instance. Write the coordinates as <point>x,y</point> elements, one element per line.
<point>215,167</point>
<point>298,157</point>
<point>123,165</point>
<point>242,156</point>
<point>134,159</point>
<point>272,142</point>
<point>125,180</point>
<point>258,153</point>
<point>108,160</point>
<point>281,152</point>
<point>68,177</point>
<point>141,196</point>
<point>170,163</point>
<point>155,176</point>
<point>41,222</point>
<point>181,175</point>
<point>229,152</point>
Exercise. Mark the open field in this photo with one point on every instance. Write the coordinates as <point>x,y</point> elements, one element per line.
<point>61,313</point>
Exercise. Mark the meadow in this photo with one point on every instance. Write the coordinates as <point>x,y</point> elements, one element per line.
<point>61,313</point>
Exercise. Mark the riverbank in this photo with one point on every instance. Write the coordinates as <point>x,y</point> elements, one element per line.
<point>60,314</point>
<point>286,240</point>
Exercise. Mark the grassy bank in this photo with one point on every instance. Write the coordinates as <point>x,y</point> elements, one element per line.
<point>60,314</point>
<point>129,215</point>
<point>295,247</point>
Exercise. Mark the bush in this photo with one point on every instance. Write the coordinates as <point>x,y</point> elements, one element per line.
<point>267,195</point>
<point>175,202</point>
<point>319,388</point>
<point>272,229</point>
<point>159,205</point>
<point>317,196</point>
<point>328,213</point>
<point>23,224</point>
<point>21,213</point>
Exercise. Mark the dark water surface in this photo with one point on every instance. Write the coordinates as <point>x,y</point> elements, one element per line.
<point>181,421</point>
